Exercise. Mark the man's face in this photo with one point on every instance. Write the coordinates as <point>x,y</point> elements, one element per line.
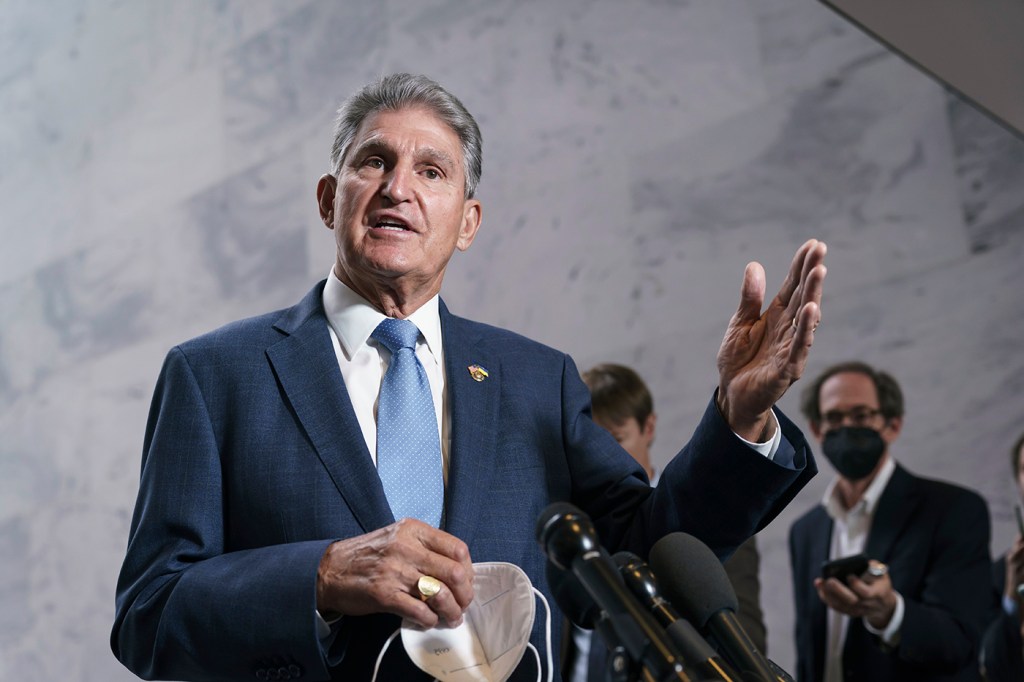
<point>850,399</point>
<point>634,438</point>
<point>398,206</point>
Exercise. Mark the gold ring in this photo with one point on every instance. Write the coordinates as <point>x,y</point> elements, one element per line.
<point>428,587</point>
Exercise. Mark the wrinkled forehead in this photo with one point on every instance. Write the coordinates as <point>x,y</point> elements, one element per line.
<point>416,125</point>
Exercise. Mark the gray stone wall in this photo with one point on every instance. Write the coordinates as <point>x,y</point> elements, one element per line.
<point>157,170</point>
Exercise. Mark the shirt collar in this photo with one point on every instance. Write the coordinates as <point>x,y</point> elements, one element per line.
<point>866,505</point>
<point>353,318</point>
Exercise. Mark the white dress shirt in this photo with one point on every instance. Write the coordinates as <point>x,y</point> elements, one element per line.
<point>363,361</point>
<point>849,536</point>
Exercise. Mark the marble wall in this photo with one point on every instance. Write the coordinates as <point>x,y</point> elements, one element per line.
<point>157,179</point>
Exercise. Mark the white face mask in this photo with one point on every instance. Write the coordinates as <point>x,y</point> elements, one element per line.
<point>493,636</point>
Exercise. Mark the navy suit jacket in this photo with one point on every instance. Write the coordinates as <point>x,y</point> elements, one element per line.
<point>934,536</point>
<point>254,463</point>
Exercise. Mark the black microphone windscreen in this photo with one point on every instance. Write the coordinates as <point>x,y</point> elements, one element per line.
<point>692,577</point>
<point>551,513</point>
<point>565,532</point>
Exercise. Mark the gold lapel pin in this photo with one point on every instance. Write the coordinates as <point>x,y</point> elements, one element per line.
<point>477,372</point>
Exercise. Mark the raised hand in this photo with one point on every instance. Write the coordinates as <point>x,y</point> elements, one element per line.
<point>763,353</point>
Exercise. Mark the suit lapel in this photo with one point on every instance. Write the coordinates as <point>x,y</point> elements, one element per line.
<point>895,507</point>
<point>474,422</point>
<point>307,369</point>
<point>817,553</point>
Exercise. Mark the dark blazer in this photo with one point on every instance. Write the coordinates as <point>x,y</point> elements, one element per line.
<point>254,462</point>
<point>1002,649</point>
<point>934,536</point>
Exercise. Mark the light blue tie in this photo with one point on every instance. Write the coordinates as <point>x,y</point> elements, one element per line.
<point>408,445</point>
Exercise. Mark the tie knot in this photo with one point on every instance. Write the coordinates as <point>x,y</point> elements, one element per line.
<point>396,334</point>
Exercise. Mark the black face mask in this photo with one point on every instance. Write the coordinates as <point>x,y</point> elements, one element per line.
<point>853,450</point>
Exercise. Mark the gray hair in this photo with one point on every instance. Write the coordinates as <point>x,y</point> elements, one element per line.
<point>400,91</point>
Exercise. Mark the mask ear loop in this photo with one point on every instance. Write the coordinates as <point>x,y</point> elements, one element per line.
<point>380,656</point>
<point>540,670</point>
<point>547,630</point>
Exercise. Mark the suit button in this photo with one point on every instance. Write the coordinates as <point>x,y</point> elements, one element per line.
<point>295,671</point>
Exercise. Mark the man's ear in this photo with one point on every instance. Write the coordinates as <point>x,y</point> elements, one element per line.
<point>325,190</point>
<point>891,430</point>
<point>472,215</point>
<point>652,420</point>
<point>816,430</point>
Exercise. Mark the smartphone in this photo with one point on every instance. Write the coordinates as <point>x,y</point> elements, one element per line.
<point>844,567</point>
<point>1020,519</point>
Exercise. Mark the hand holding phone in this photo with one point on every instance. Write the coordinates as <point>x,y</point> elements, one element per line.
<point>844,567</point>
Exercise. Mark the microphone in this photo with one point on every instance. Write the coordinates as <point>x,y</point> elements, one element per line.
<point>570,541</point>
<point>697,653</point>
<point>694,580</point>
<point>575,602</point>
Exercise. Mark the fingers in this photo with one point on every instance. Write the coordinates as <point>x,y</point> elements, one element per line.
<point>440,609</point>
<point>441,556</point>
<point>837,596</point>
<point>803,284</point>
<point>807,256</point>
<point>807,317</point>
<point>751,293</point>
<point>378,573</point>
<point>450,563</point>
<point>874,601</point>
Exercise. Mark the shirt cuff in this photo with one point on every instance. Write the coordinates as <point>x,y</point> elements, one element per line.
<point>891,634</point>
<point>770,447</point>
<point>325,628</point>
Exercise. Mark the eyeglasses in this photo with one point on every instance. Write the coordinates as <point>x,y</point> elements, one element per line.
<point>858,416</point>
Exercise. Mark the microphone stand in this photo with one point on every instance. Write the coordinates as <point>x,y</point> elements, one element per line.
<point>619,667</point>
<point>634,630</point>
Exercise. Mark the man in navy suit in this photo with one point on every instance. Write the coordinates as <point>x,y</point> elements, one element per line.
<point>919,611</point>
<point>263,543</point>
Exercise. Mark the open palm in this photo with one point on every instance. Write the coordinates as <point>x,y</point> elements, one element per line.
<point>763,353</point>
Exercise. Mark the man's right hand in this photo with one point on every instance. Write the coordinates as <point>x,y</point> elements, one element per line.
<point>378,573</point>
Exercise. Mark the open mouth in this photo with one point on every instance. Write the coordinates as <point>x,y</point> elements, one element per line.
<point>391,224</point>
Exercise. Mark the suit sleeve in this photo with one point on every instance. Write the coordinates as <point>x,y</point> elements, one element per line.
<point>716,488</point>
<point>720,490</point>
<point>186,608</point>
<point>941,629</point>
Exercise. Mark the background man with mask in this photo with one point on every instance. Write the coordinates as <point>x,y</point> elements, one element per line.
<point>921,617</point>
